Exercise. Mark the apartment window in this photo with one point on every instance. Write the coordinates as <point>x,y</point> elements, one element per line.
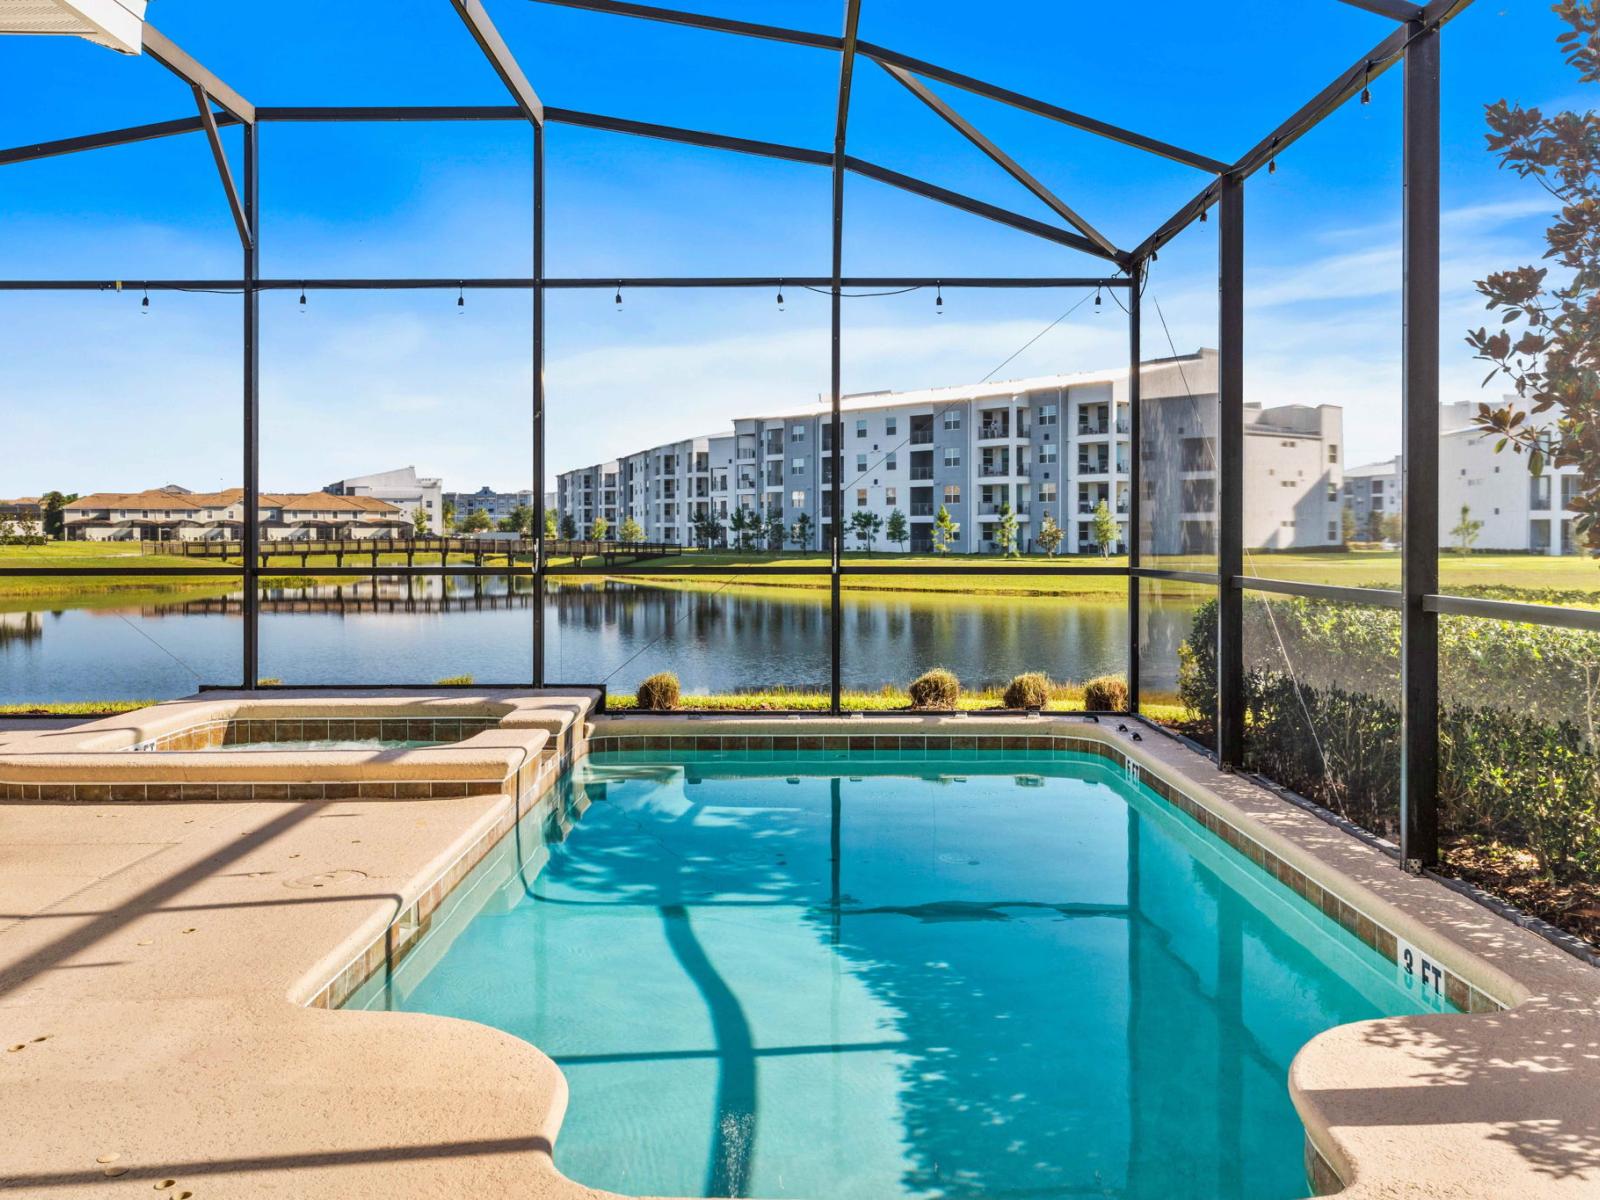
<point>952,456</point>
<point>861,497</point>
<point>1047,493</point>
<point>952,419</point>
<point>1047,453</point>
<point>891,497</point>
<point>890,425</point>
<point>1047,414</point>
<point>861,464</point>
<point>1333,531</point>
<point>1333,491</point>
<point>797,499</point>
<point>797,465</point>
<point>1333,452</point>
<point>861,428</point>
<point>952,494</point>
<point>797,432</point>
<point>827,436</point>
<point>888,463</point>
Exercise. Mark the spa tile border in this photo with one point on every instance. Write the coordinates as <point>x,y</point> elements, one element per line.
<point>892,747</point>
<point>178,792</point>
<point>208,735</point>
<point>535,784</point>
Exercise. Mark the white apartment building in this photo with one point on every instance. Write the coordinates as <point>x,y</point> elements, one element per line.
<point>403,488</point>
<point>1057,446</point>
<point>1520,511</point>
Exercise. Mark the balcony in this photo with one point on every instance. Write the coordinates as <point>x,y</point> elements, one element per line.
<point>922,510</point>
<point>991,431</point>
<point>921,473</point>
<point>922,437</point>
<point>994,470</point>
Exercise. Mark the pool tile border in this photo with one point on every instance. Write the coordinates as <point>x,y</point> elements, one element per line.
<point>208,735</point>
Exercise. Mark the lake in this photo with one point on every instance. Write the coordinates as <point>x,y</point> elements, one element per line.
<point>421,630</point>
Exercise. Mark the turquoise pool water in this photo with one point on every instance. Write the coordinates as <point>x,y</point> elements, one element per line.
<point>1023,977</point>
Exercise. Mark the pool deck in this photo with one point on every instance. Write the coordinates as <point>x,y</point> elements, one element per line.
<point>158,963</point>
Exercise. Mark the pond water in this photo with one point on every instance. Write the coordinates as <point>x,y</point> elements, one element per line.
<point>424,630</point>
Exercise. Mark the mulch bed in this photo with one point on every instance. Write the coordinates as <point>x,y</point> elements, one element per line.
<point>1513,875</point>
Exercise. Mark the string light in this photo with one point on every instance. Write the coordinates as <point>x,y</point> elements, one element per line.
<point>1272,163</point>
<point>461,299</point>
<point>1097,297</point>
<point>144,305</point>
<point>938,299</point>
<point>780,295</point>
<point>618,297</point>
<point>1366,86</point>
<point>302,299</point>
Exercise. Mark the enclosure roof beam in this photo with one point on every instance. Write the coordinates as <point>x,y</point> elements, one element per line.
<point>1398,10</point>
<point>690,137</point>
<point>1374,63</point>
<point>114,137</point>
<point>1039,108</point>
<point>208,121</point>
<point>1006,163</point>
<point>847,65</point>
<point>500,57</point>
<point>930,191</point>
<point>161,48</point>
<point>672,16</point>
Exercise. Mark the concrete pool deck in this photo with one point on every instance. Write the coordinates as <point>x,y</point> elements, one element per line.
<point>159,962</point>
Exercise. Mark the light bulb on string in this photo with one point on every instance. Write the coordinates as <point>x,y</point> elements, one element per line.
<point>144,305</point>
<point>302,299</point>
<point>1366,86</point>
<point>1097,297</point>
<point>1272,163</point>
<point>780,295</point>
<point>618,297</point>
<point>938,299</point>
<point>461,299</point>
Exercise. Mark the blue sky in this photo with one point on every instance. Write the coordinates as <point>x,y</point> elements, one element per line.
<point>106,396</point>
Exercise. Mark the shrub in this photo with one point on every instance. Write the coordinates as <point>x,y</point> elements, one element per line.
<point>937,688</point>
<point>1028,690</point>
<point>1108,693</point>
<point>659,693</point>
<point>454,681</point>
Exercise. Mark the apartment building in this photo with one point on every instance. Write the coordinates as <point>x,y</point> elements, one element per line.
<point>1520,511</point>
<point>401,487</point>
<point>174,513</point>
<point>487,500</point>
<point>1057,446</point>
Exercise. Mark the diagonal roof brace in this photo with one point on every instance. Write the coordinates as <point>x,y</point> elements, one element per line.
<point>1006,163</point>
<point>500,57</point>
<point>1397,10</point>
<point>208,121</point>
<point>161,48</point>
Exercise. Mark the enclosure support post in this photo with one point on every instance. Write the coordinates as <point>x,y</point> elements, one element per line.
<point>847,54</point>
<point>1419,629</point>
<point>1230,473</point>
<point>1135,480</point>
<point>538,407</point>
<point>251,530</point>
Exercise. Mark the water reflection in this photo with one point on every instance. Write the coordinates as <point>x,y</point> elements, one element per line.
<point>397,630</point>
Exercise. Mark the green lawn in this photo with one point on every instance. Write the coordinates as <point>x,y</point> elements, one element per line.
<point>1508,573</point>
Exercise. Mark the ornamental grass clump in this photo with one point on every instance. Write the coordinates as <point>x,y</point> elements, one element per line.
<point>1108,693</point>
<point>1031,689</point>
<point>659,693</point>
<point>938,688</point>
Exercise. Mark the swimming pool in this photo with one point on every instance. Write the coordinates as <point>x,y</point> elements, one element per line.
<point>1021,976</point>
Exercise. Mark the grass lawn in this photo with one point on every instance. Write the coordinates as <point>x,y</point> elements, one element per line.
<point>1534,573</point>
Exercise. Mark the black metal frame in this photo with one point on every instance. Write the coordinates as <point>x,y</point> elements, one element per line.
<point>1414,44</point>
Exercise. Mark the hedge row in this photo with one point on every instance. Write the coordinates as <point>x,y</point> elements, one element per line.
<point>1519,759</point>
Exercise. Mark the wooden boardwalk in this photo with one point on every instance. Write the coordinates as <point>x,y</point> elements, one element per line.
<point>482,551</point>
